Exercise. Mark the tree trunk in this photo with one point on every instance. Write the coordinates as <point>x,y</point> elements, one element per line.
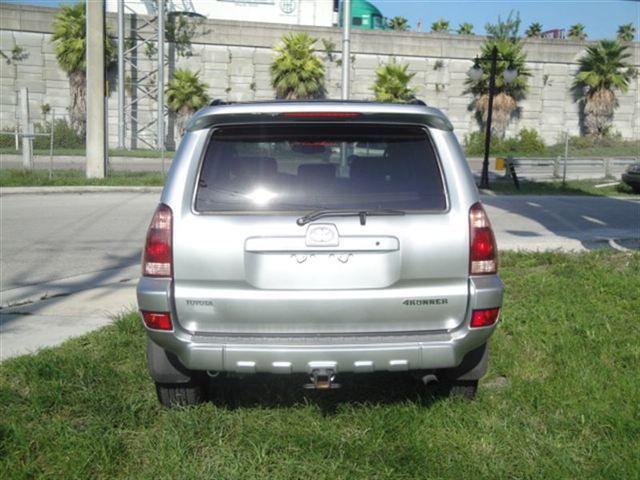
<point>183,115</point>
<point>598,111</point>
<point>503,107</point>
<point>78,107</point>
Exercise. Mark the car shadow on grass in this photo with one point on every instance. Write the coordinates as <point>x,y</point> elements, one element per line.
<point>281,391</point>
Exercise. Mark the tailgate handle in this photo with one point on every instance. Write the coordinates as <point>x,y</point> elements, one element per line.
<point>358,243</point>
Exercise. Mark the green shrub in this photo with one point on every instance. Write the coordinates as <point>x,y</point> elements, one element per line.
<point>526,141</point>
<point>581,143</point>
<point>64,136</point>
<point>7,140</point>
<point>529,141</point>
<point>474,144</point>
<point>610,138</point>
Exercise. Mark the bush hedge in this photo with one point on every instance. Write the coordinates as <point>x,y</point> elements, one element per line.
<point>64,136</point>
<point>526,141</point>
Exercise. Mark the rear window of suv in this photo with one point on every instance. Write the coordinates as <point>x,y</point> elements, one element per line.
<point>277,168</point>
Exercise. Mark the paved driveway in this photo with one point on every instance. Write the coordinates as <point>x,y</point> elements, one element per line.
<point>536,222</point>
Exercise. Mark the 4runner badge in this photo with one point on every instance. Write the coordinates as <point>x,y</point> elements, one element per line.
<point>425,301</point>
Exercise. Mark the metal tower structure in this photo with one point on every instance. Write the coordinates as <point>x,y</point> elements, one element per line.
<point>141,114</point>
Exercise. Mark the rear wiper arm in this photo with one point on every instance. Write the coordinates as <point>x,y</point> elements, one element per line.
<point>310,217</point>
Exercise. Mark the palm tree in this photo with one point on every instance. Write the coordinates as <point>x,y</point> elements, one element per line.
<point>392,83</point>
<point>440,26</point>
<point>603,70</point>
<point>296,73</point>
<point>185,94</point>
<point>626,32</point>
<point>576,32</point>
<point>534,30</point>
<point>506,95</point>
<point>69,37</point>
<point>399,23</point>
<point>465,29</point>
<point>505,29</point>
<point>504,37</point>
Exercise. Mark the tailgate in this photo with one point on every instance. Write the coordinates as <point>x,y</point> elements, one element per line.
<point>366,280</point>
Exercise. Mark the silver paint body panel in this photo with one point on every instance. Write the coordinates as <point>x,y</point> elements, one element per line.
<point>272,296</point>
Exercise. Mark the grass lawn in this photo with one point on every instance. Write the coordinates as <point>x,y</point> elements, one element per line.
<point>40,178</point>
<point>572,187</point>
<point>81,152</point>
<point>560,401</point>
<point>614,149</point>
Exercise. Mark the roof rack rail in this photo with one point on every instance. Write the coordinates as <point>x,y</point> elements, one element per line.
<point>218,101</point>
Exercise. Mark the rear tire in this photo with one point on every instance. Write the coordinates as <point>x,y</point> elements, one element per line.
<point>180,394</point>
<point>461,388</point>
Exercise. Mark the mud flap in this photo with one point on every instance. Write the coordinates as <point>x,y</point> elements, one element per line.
<point>164,367</point>
<point>473,367</point>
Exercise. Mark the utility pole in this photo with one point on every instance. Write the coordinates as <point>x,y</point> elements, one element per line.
<point>160,134</point>
<point>27,130</point>
<point>96,152</point>
<point>346,47</point>
<point>121,121</point>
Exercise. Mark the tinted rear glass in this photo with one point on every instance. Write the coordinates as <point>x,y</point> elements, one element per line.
<point>302,167</point>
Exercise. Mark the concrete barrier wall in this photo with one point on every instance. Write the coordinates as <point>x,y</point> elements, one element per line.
<point>234,59</point>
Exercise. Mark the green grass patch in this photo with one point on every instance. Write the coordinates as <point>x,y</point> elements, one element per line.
<point>571,187</point>
<point>528,143</point>
<point>567,351</point>
<point>40,178</point>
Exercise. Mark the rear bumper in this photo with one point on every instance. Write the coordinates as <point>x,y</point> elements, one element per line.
<point>428,351</point>
<point>342,353</point>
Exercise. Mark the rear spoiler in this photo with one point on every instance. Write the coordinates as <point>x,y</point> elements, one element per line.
<point>208,119</point>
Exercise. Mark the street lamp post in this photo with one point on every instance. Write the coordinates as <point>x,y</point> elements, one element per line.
<point>484,180</point>
<point>476,73</point>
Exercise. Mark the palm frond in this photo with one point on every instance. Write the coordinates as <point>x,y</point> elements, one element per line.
<point>296,72</point>
<point>392,83</point>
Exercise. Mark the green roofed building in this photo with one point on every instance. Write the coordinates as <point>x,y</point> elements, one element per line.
<point>365,16</point>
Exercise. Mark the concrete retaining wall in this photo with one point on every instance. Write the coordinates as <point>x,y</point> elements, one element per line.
<point>234,59</point>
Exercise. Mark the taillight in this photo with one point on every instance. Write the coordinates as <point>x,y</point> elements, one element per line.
<point>483,254</point>
<point>157,320</point>
<point>158,252</point>
<point>485,317</point>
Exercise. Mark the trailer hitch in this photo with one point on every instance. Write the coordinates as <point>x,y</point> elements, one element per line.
<point>322,379</point>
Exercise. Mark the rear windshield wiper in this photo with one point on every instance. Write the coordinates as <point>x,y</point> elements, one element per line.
<point>310,217</point>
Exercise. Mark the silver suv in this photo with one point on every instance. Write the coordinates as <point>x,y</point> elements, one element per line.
<point>318,238</point>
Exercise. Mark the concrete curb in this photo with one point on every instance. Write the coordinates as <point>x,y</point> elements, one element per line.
<point>78,189</point>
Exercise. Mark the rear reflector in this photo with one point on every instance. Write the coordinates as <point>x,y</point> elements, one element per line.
<point>483,252</point>
<point>323,115</point>
<point>158,254</point>
<point>157,320</point>
<point>485,317</point>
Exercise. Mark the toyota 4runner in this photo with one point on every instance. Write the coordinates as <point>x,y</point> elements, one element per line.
<point>318,238</point>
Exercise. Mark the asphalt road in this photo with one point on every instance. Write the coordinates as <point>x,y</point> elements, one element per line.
<point>48,238</point>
